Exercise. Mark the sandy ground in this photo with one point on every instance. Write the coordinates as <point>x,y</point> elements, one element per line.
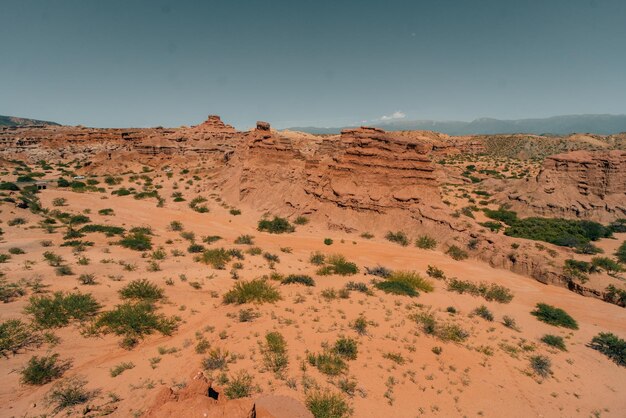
<point>488,375</point>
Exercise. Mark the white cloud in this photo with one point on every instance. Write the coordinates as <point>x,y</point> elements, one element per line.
<point>395,115</point>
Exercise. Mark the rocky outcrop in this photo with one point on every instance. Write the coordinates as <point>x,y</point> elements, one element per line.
<point>201,398</point>
<point>374,170</point>
<point>578,184</point>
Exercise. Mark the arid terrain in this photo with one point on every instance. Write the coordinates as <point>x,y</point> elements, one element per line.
<point>146,272</point>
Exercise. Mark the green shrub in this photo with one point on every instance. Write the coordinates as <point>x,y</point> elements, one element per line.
<point>216,360</point>
<point>256,291</point>
<point>16,251</point>
<point>328,363</point>
<point>327,405</point>
<point>5,185</point>
<point>611,346</point>
<point>196,249</point>
<point>245,239</point>
<point>216,258</point>
<point>426,242</point>
<point>10,291</point>
<point>608,265</point>
<point>64,270</point>
<point>491,225</point>
<point>16,335</point>
<point>108,230</point>
<point>502,215</point>
<point>299,279</point>
<point>621,253</point>
<point>484,313</point>
<point>239,386</point>
<point>317,258</point>
<point>563,232</point>
<point>68,393</point>
<point>301,220</point>
<point>121,368</point>
<point>397,288</point>
<point>456,253</point>
<point>137,241</point>
<point>541,365</point>
<point>488,291</point>
<point>435,272</point>
<point>554,341</point>
<point>61,308</point>
<point>196,204</point>
<point>276,226</point>
<point>615,295</point>
<point>411,278</point>
<point>398,237</point>
<point>275,352</point>
<point>444,331</point>
<point>328,241</point>
<point>87,279</point>
<point>337,264</point>
<point>106,212</point>
<point>134,321</point>
<point>346,348</point>
<point>554,316</point>
<point>142,290</point>
<point>211,239</point>
<point>44,369</point>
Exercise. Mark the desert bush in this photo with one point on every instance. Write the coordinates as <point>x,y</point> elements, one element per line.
<point>346,348</point>
<point>615,295</point>
<point>108,230</point>
<point>87,279</point>
<point>328,241</point>
<point>276,226</point>
<point>607,264</point>
<point>328,362</point>
<point>563,232</point>
<point>484,313</point>
<point>176,226</point>
<point>444,331</point>
<point>611,346</point>
<point>60,309</point>
<point>554,341</point>
<point>44,369</point>
<point>133,321</point>
<point>317,258</point>
<point>211,239</point>
<point>398,237</point>
<point>379,271</point>
<point>248,315</point>
<point>195,249</point>
<point>541,365</point>
<point>196,204</point>
<point>216,258</point>
<point>509,322</point>
<point>435,272</point>
<point>16,221</point>
<point>68,393</point>
<point>502,215</point>
<point>142,289</point>
<point>16,335</point>
<point>137,241</point>
<point>358,287</point>
<point>426,242</point>
<point>106,212</point>
<point>554,316</point>
<point>491,225</point>
<point>621,253</point>
<point>217,359</point>
<point>275,352</point>
<point>337,264</point>
<point>253,291</point>
<point>245,239</point>
<point>301,220</point>
<point>53,259</point>
<point>327,405</point>
<point>299,279</point>
<point>240,386</point>
<point>456,253</point>
<point>10,291</point>
<point>63,270</point>
<point>491,292</point>
<point>121,368</point>
<point>16,251</point>
<point>360,325</point>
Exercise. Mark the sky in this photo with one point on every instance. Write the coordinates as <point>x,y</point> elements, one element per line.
<point>123,63</point>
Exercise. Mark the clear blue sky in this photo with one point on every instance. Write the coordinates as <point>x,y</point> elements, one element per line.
<point>324,63</point>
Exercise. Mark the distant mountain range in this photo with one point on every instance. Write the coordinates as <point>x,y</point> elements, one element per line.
<point>556,125</point>
<point>15,121</point>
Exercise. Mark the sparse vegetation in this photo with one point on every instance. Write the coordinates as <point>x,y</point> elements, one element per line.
<point>299,279</point>
<point>253,291</point>
<point>142,290</point>
<point>398,237</point>
<point>611,346</point>
<point>541,365</point>
<point>337,264</point>
<point>554,316</point>
<point>554,341</point>
<point>325,404</point>
<point>276,226</point>
<point>16,335</point>
<point>61,308</point>
<point>426,242</point>
<point>275,352</point>
<point>491,292</point>
<point>216,258</point>
<point>457,253</point>
<point>44,369</point>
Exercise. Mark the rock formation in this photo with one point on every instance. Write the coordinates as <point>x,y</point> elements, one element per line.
<point>578,184</point>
